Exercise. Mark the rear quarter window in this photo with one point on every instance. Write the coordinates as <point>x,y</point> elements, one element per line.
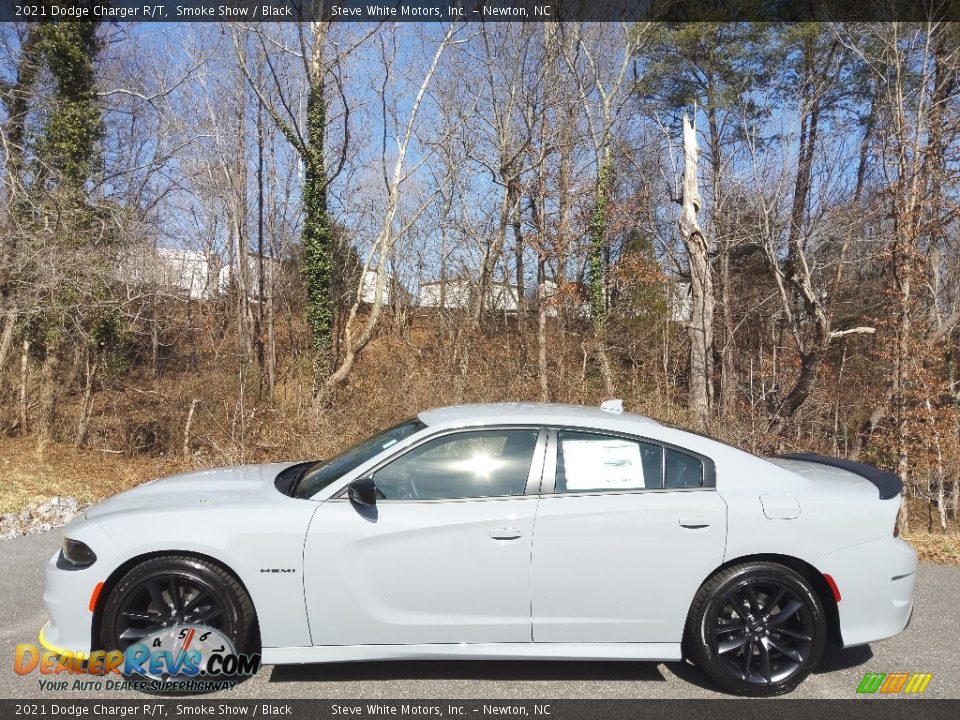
<point>682,470</point>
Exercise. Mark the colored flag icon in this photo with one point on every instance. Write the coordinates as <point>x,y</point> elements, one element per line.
<point>891,683</point>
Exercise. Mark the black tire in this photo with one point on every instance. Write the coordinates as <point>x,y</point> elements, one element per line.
<point>225,604</point>
<point>756,629</point>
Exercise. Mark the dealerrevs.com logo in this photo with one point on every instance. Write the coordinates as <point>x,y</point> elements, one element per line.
<point>181,658</point>
<point>893,683</point>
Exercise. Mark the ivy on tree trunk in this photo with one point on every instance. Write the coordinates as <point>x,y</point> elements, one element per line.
<point>598,226</point>
<point>73,126</point>
<point>317,260</point>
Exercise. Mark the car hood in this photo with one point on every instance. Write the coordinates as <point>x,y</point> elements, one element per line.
<point>241,484</point>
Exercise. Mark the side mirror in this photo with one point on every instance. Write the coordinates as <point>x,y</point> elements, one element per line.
<point>363,491</point>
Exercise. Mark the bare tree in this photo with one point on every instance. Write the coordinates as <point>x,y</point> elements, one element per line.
<point>602,98</point>
<point>356,340</point>
<point>700,328</point>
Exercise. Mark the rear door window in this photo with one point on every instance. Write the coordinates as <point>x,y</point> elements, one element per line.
<point>592,462</point>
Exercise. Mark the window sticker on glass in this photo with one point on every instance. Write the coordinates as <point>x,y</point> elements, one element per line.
<point>607,464</point>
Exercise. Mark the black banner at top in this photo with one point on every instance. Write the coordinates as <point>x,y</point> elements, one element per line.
<point>479,10</point>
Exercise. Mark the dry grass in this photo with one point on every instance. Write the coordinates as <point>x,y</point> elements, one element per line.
<point>932,543</point>
<point>88,475</point>
<point>936,547</point>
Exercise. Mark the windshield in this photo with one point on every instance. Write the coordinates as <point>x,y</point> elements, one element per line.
<point>327,471</point>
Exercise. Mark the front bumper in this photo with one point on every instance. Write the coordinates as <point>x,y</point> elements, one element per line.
<point>43,637</point>
<point>876,582</point>
<point>68,593</point>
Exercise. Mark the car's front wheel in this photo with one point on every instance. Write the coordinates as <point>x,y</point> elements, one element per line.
<point>756,629</point>
<point>162,594</point>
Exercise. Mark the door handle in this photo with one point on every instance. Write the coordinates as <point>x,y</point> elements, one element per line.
<point>695,523</point>
<point>505,534</point>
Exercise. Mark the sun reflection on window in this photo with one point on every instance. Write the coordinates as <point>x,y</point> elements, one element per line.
<point>480,464</point>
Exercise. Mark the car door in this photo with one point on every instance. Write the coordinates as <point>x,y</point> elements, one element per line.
<point>624,537</point>
<point>444,554</point>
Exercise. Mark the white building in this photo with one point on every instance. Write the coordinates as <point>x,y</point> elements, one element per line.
<point>187,270</point>
<point>458,294</point>
<point>368,288</point>
<point>177,270</point>
<point>272,272</point>
<point>193,274</point>
<point>446,294</point>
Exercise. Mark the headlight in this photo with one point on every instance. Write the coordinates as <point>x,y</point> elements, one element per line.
<point>77,553</point>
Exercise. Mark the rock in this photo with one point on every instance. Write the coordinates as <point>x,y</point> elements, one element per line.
<point>41,515</point>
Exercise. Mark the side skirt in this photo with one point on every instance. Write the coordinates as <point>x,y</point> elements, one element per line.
<point>473,651</point>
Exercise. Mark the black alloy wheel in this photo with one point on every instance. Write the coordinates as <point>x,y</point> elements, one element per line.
<point>162,601</point>
<point>757,629</point>
<point>162,592</point>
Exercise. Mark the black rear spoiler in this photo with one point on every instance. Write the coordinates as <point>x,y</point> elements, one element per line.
<point>889,484</point>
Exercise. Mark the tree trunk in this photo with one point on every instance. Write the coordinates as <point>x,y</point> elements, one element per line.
<point>598,287</point>
<point>154,337</point>
<point>48,394</point>
<point>796,279</point>
<point>728,370</point>
<point>728,374</point>
<point>261,279</point>
<point>492,252</point>
<point>316,239</point>
<point>271,349</point>
<point>238,177</point>
<point>24,358</point>
<point>518,254</point>
<point>700,329</point>
<point>6,336</point>
<point>542,306</point>
<point>86,406</point>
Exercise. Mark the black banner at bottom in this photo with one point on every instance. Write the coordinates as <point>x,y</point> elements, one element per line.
<point>782,709</point>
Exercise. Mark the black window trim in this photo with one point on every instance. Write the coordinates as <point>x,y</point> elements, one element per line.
<point>535,476</point>
<point>548,484</point>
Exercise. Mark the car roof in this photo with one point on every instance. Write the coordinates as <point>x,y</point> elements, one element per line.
<point>536,413</point>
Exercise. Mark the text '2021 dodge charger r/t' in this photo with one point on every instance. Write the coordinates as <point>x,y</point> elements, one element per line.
<point>506,531</point>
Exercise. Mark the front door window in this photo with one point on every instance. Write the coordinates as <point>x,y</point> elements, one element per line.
<point>476,464</point>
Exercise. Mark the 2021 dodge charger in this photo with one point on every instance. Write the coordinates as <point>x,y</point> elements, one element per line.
<point>507,531</point>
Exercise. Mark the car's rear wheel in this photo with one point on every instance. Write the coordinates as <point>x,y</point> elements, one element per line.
<point>164,592</point>
<point>756,629</point>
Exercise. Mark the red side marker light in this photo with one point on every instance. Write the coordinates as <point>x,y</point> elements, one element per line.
<point>96,593</point>
<point>833,586</point>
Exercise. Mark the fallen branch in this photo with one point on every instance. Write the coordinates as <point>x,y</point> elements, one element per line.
<point>863,330</point>
<point>186,430</point>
